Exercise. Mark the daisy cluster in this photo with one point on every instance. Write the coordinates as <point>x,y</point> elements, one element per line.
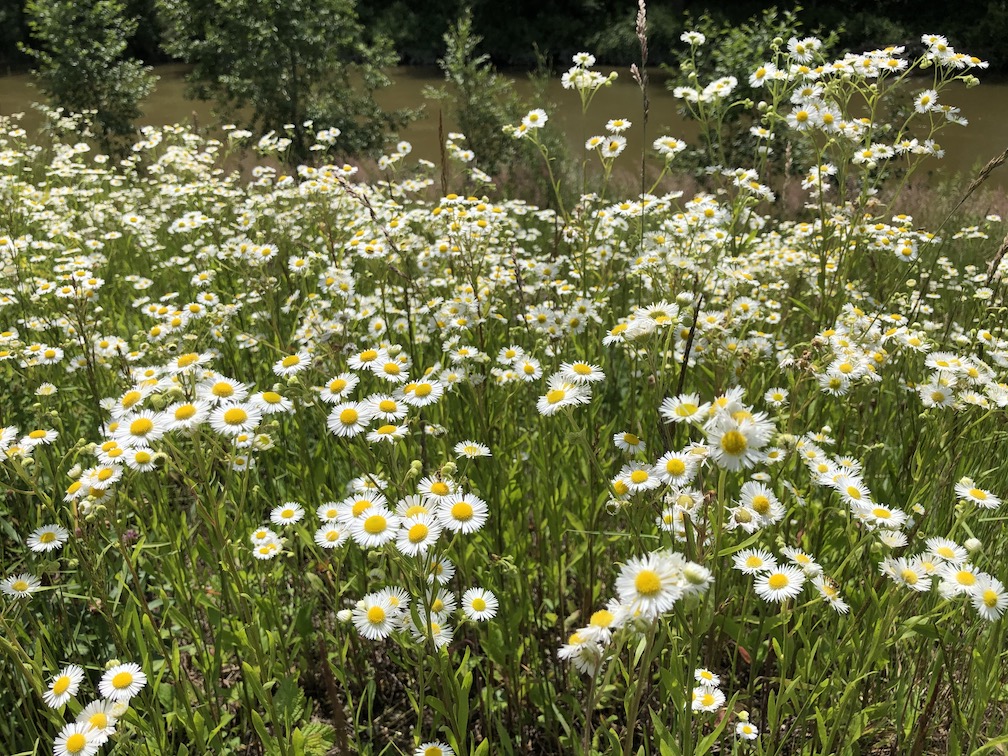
<point>96,722</point>
<point>171,322</point>
<point>647,588</point>
<point>413,529</point>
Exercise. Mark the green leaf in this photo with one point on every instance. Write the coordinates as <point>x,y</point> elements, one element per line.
<point>260,727</point>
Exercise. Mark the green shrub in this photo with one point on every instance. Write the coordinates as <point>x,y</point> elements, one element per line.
<point>81,66</point>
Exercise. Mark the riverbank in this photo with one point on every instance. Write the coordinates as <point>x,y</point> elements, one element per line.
<point>985,107</point>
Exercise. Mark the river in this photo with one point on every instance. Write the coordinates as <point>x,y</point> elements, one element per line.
<point>985,106</point>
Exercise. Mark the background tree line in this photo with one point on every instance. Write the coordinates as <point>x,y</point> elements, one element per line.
<point>293,66</point>
<point>513,31</point>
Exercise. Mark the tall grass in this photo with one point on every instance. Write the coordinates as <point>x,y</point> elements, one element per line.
<point>346,467</point>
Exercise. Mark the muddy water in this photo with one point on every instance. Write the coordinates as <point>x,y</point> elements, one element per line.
<point>985,106</point>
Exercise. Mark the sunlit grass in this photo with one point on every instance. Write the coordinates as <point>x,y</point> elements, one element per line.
<point>300,465</point>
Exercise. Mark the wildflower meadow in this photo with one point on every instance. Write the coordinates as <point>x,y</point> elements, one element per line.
<point>298,463</point>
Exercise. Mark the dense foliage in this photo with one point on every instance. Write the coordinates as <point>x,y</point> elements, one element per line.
<point>283,66</point>
<point>301,464</point>
<point>515,29</point>
<point>81,62</point>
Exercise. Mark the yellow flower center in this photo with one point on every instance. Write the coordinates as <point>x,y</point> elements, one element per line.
<point>761,504</point>
<point>707,699</point>
<point>60,686</point>
<point>272,397</point>
<point>19,586</point>
<point>909,576</point>
<point>47,537</point>
<point>754,561</point>
<point>853,492</point>
<point>777,581</point>
<point>581,368</point>
<point>478,605</point>
<point>686,410</point>
<point>630,439</point>
<point>332,535</point>
<point>734,443</point>
<point>187,359</point>
<point>639,476</point>
<point>882,513</point>
<point>360,506</point>
<point>387,405</point>
<point>386,430</point>
<point>375,524</point>
<point>675,466</point>
<point>122,680</point>
<point>290,361</point>
<point>141,426</point>
<point>965,577</point>
<point>76,743</point>
<point>376,615</point>
<point>556,395</point>
<point>222,389</point>
<point>990,598</point>
<point>337,385</point>
<point>131,398</point>
<point>978,493</point>
<point>235,416</point>
<point>462,511</point>
<point>37,434</point>
<point>418,532</point>
<point>185,412</point>
<point>348,416</point>
<point>98,720</point>
<point>620,488</point>
<point>647,583</point>
<point>601,618</point>
<point>439,488</point>
<point>423,389</point>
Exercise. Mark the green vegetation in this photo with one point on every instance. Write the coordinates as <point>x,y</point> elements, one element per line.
<point>741,50</point>
<point>298,464</point>
<point>289,66</point>
<point>81,63</point>
<point>514,30</point>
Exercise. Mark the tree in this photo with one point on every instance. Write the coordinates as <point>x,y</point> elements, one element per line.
<point>81,63</point>
<point>482,101</point>
<point>274,63</point>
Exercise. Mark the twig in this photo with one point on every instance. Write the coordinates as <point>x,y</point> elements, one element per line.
<point>995,263</point>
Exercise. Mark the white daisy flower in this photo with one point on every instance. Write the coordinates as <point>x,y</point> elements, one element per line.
<point>63,686</point>
<point>47,538</point>
<point>287,514</point>
<point>479,604</point>
<point>122,682</point>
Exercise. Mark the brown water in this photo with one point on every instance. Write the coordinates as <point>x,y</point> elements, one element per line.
<point>985,106</point>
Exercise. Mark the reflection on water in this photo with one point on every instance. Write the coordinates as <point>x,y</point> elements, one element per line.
<point>985,106</point>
